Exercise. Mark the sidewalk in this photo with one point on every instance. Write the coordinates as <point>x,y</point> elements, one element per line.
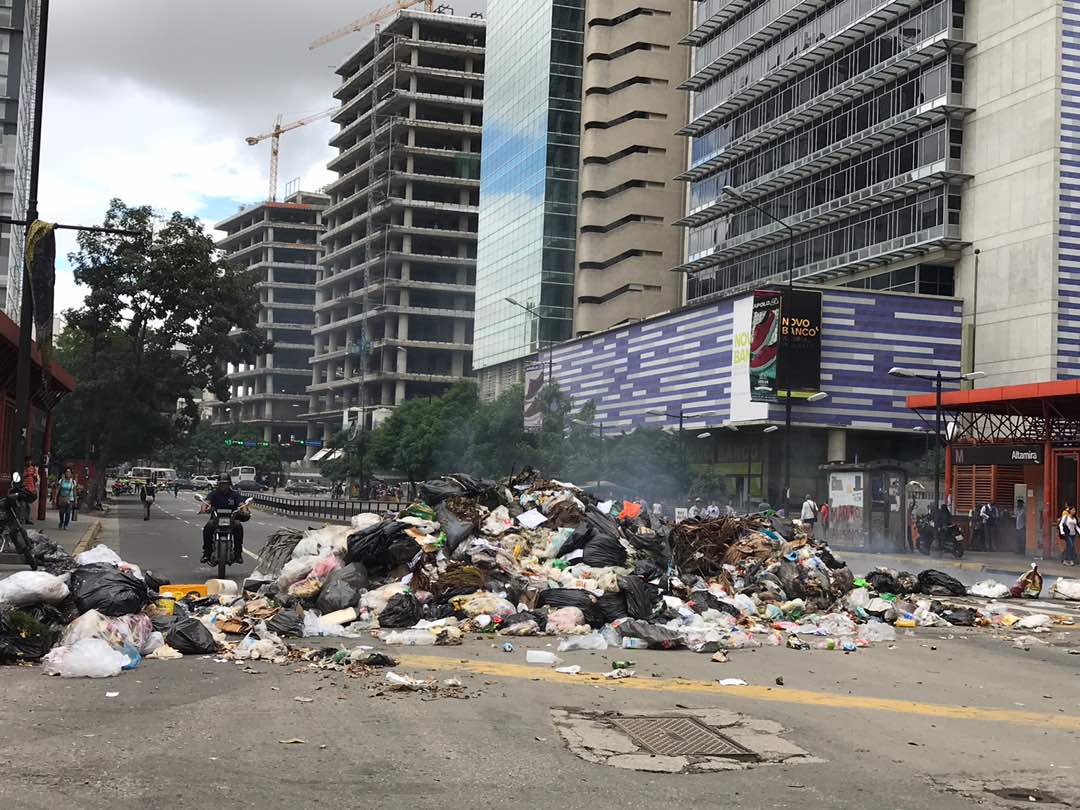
<point>988,562</point>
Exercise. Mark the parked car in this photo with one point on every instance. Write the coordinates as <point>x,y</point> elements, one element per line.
<point>250,486</point>
<point>300,488</point>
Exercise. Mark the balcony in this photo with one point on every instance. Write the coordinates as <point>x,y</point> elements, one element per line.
<point>919,118</point>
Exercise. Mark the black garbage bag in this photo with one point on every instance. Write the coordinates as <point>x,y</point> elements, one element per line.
<point>23,637</point>
<point>583,534</point>
<point>962,617</point>
<point>700,601</point>
<point>657,637</point>
<point>603,551</point>
<point>455,528</point>
<point>108,590</point>
<point>342,588</point>
<point>438,490</point>
<point>841,580</point>
<point>648,570</point>
<point>938,583</point>
<point>827,557</point>
<point>642,599</point>
<point>883,582</point>
<point>381,548</point>
<point>790,578</point>
<point>555,598</point>
<point>287,623</point>
<point>538,616</point>
<point>153,582</point>
<point>49,556</point>
<point>190,637</point>
<point>656,544</point>
<point>403,610</point>
<point>162,622</point>
<point>907,583</point>
<point>611,606</point>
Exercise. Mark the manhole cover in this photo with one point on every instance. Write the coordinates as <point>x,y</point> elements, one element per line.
<point>682,736</point>
<point>1026,795</point>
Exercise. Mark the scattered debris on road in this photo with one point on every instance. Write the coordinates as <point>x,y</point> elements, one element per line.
<point>525,557</point>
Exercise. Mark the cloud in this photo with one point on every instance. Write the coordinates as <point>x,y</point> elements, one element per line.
<point>151,102</point>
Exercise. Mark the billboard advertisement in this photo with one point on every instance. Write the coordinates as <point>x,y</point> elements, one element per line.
<point>764,345</point>
<point>800,341</point>
<point>534,403</point>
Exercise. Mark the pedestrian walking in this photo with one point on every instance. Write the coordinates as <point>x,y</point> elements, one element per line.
<point>65,494</point>
<point>823,513</point>
<point>30,479</point>
<point>1021,527</point>
<point>986,521</point>
<point>809,514</point>
<point>80,493</point>
<point>1067,528</point>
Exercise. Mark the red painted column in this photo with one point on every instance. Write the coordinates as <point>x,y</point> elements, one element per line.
<point>1049,512</point>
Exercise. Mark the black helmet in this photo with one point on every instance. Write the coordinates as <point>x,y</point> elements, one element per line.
<point>225,478</point>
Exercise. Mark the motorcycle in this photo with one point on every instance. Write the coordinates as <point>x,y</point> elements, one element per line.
<point>948,538</point>
<point>11,527</point>
<point>221,552</point>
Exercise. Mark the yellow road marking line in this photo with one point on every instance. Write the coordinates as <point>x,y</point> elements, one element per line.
<point>761,693</point>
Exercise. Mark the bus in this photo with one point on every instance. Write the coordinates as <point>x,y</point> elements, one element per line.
<point>242,474</point>
<point>163,475</point>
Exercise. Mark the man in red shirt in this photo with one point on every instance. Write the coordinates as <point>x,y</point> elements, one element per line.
<point>30,484</point>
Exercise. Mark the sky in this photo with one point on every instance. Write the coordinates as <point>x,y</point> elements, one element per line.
<point>150,101</point>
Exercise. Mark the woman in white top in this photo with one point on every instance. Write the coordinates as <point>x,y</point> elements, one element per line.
<point>1068,529</point>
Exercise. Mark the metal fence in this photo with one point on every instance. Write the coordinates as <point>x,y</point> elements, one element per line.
<point>323,508</point>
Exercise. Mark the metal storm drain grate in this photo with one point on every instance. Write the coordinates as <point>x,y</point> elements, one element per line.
<point>682,736</point>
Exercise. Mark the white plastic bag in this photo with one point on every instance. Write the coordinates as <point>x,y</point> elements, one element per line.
<point>1034,620</point>
<point>32,587</point>
<point>90,625</point>
<point>877,631</point>
<point>98,554</point>
<point>992,589</point>
<point>365,520</point>
<point>591,641</point>
<point>858,598</point>
<point>296,569</point>
<point>89,658</point>
<point>375,601</point>
<point>1066,589</point>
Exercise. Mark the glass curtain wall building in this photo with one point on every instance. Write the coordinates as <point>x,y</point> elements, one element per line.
<point>843,118</point>
<point>528,178</point>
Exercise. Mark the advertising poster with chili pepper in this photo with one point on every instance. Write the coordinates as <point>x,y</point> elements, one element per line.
<point>764,345</point>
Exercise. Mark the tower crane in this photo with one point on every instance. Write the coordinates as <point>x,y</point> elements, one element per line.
<point>275,143</point>
<point>373,17</point>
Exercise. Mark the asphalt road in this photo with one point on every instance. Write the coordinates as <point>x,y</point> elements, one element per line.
<point>170,543</point>
<point>938,719</point>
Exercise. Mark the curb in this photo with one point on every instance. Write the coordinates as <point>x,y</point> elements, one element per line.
<point>899,561</point>
<point>89,536</point>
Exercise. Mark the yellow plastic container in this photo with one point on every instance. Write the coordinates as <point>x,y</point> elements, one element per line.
<point>179,591</point>
<point>167,605</point>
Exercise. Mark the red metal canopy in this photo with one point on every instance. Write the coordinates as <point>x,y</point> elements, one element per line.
<point>1062,396</point>
<point>62,382</point>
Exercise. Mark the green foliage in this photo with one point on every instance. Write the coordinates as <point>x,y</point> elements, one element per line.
<point>204,449</point>
<point>162,318</point>
<point>456,432</point>
<point>710,486</point>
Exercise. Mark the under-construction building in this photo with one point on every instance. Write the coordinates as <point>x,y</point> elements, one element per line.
<point>395,290</point>
<point>280,241</point>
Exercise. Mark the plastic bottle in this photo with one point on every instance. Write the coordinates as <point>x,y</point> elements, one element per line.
<point>592,641</point>
<point>634,643</point>
<point>612,636</point>
<point>411,638</point>
<point>542,657</point>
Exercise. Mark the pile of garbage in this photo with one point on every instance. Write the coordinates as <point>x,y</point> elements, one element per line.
<point>527,556</point>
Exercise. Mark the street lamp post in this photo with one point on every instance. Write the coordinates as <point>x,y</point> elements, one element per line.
<point>533,310</point>
<point>731,191</point>
<point>937,378</point>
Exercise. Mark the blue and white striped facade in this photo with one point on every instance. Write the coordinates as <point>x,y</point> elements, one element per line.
<point>684,360</point>
<point>1068,276</point>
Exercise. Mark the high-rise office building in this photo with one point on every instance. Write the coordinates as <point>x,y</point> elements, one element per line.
<point>395,293</point>
<point>911,146</point>
<point>280,241</point>
<point>529,180</point>
<point>630,155</point>
<point>18,74</point>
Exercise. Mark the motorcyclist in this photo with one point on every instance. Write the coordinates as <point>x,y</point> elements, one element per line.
<point>224,497</point>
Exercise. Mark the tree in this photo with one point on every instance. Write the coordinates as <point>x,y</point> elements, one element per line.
<point>163,317</point>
